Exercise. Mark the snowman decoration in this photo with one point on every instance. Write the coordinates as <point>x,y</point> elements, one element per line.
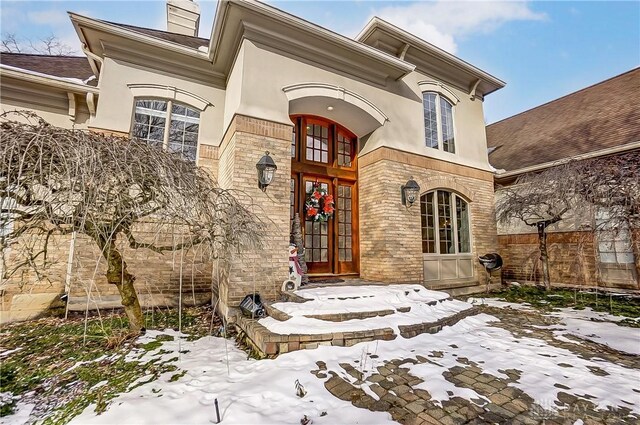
<point>295,272</point>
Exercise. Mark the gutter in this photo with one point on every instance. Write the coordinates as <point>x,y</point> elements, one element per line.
<point>594,154</point>
<point>123,32</point>
<point>287,19</point>
<point>48,80</point>
<point>420,44</point>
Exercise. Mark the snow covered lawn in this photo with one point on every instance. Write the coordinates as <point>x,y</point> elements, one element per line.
<point>254,392</point>
<point>585,324</point>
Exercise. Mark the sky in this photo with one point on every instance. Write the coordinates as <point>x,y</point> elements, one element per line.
<point>542,49</point>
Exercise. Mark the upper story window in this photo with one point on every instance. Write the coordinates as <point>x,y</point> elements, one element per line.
<point>445,223</point>
<point>323,142</point>
<point>438,122</point>
<point>176,131</point>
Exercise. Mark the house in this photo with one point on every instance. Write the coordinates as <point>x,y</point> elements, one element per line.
<point>360,118</point>
<point>600,120</point>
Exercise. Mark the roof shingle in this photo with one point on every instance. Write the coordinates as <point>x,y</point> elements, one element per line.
<point>601,116</point>
<point>185,40</point>
<point>57,66</point>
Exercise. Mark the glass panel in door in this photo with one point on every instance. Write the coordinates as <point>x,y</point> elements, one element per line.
<point>318,235</point>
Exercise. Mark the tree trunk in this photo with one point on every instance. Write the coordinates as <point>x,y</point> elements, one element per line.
<point>118,275</point>
<point>544,255</point>
<point>635,245</point>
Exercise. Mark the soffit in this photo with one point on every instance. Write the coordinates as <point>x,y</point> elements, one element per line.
<point>246,19</point>
<point>428,58</point>
<point>105,39</point>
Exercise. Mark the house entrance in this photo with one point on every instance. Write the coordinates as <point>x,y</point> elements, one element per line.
<point>323,159</point>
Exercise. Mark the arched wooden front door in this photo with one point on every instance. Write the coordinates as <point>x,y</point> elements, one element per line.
<point>325,153</point>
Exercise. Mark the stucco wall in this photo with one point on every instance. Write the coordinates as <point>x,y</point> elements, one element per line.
<point>50,104</point>
<point>116,104</point>
<point>265,74</point>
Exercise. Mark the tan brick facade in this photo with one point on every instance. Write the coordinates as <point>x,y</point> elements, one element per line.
<point>244,144</point>
<point>572,260</point>
<point>390,233</point>
<point>26,295</point>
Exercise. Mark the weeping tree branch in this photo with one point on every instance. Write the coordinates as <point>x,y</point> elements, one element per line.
<point>607,186</point>
<point>55,181</point>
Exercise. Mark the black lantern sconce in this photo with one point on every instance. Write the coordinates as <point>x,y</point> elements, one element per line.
<point>409,192</point>
<point>266,171</point>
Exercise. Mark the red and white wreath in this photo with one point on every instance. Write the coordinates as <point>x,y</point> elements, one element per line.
<point>319,204</point>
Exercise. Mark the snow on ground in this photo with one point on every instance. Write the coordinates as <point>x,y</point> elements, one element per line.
<point>248,391</point>
<point>349,299</point>
<point>586,324</point>
<point>20,415</point>
<point>496,349</point>
<point>263,391</point>
<point>493,302</point>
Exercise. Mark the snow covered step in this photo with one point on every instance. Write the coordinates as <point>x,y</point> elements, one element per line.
<point>415,311</point>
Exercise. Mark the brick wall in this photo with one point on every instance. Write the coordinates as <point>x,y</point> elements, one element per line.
<point>572,260</point>
<point>390,233</point>
<point>262,270</point>
<point>26,295</point>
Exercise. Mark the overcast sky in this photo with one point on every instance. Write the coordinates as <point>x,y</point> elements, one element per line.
<point>542,49</point>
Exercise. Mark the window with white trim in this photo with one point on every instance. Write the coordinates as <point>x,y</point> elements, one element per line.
<point>614,239</point>
<point>438,122</point>
<point>176,132</point>
<point>445,223</point>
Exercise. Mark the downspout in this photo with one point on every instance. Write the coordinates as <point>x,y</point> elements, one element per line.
<point>94,57</point>
<point>67,280</point>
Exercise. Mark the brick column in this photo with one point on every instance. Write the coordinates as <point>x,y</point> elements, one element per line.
<point>262,270</point>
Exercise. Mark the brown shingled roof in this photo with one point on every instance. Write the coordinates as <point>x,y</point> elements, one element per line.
<point>58,66</point>
<point>185,40</point>
<point>601,116</point>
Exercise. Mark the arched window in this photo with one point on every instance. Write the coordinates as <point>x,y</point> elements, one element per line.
<point>445,223</point>
<point>438,122</point>
<point>176,131</point>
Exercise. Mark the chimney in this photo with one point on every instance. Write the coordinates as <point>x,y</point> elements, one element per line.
<point>183,17</point>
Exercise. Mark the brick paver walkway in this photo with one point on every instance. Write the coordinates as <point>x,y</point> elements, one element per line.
<point>394,386</point>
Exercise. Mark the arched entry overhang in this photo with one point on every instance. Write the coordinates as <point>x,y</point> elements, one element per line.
<point>337,104</point>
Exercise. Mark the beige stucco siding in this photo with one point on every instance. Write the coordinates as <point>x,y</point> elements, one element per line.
<point>265,73</point>
<point>49,103</point>
<point>115,108</point>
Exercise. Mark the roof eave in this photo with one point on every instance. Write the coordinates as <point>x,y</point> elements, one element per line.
<point>375,23</point>
<point>270,13</point>
<point>47,80</point>
<point>80,22</point>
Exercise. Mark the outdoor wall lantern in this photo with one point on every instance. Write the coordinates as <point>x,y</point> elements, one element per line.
<point>266,171</point>
<point>409,192</point>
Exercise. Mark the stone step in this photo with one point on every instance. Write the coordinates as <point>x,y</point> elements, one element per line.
<point>272,344</point>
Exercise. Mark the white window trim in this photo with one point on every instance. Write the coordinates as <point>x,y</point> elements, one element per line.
<point>158,91</point>
<point>439,121</point>
<point>167,121</point>
<point>454,218</point>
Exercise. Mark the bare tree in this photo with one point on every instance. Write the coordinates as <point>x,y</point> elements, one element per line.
<point>612,185</point>
<point>117,191</point>
<point>607,186</point>
<point>538,200</point>
<point>48,45</point>
<point>10,43</point>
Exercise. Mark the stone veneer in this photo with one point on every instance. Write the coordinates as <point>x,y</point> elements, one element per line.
<point>263,270</point>
<point>390,233</point>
